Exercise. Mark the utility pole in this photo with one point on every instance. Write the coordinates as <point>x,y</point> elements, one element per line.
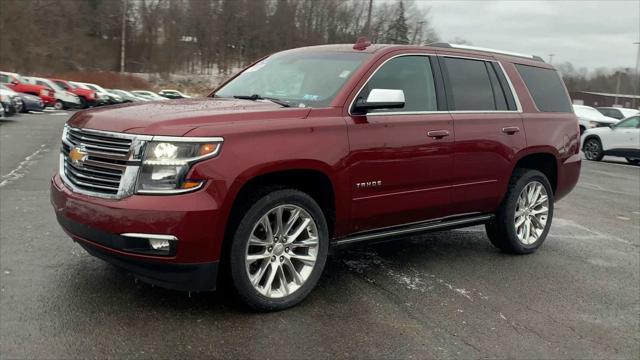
<point>367,26</point>
<point>615,101</point>
<point>123,35</point>
<point>637,76</point>
<point>551,58</point>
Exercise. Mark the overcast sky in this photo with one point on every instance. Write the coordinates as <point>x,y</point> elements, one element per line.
<point>589,34</point>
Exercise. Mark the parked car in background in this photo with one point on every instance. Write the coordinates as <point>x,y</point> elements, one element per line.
<point>10,101</point>
<point>111,97</point>
<point>621,139</point>
<point>589,118</point>
<point>148,95</point>
<point>127,96</point>
<point>618,112</point>
<point>88,97</point>
<point>173,94</point>
<point>17,83</point>
<point>102,98</point>
<point>64,98</point>
<point>28,102</point>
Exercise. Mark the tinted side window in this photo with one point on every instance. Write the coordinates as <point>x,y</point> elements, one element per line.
<point>470,86</point>
<point>411,74</point>
<point>546,88</point>
<point>498,93</point>
<point>633,122</point>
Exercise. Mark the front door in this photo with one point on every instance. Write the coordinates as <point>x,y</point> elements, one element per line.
<point>624,138</point>
<point>401,162</point>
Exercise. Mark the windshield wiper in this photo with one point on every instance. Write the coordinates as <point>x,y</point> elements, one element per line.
<point>255,97</point>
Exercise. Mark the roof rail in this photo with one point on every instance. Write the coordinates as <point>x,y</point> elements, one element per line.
<point>476,48</point>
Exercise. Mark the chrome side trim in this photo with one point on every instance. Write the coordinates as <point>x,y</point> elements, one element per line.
<point>414,228</point>
<point>150,236</point>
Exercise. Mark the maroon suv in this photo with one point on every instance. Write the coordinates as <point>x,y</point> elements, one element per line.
<point>317,147</point>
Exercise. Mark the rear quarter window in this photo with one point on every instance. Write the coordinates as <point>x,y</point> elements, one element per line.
<point>546,88</point>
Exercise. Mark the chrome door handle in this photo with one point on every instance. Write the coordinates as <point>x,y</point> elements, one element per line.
<point>510,130</point>
<point>437,134</point>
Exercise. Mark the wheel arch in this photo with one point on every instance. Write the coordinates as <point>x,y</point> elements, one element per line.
<point>544,160</point>
<point>310,176</point>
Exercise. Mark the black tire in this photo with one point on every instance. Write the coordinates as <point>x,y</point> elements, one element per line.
<point>502,230</point>
<point>633,161</point>
<point>239,277</point>
<point>59,105</point>
<point>24,109</point>
<point>592,149</point>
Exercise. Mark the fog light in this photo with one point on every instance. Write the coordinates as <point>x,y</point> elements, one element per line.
<point>159,244</point>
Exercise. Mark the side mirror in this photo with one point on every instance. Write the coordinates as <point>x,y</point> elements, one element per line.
<point>15,82</point>
<point>381,99</point>
<point>612,126</point>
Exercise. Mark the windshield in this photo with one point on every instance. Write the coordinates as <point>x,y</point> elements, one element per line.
<point>303,80</point>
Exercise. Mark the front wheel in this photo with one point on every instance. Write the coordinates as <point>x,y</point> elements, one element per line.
<point>522,223</point>
<point>279,250</point>
<point>633,161</point>
<point>593,149</point>
<point>58,105</point>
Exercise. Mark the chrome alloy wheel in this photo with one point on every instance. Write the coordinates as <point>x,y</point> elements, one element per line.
<point>282,251</point>
<point>532,210</point>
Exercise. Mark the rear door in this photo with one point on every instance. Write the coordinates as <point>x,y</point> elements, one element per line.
<point>488,127</point>
<point>400,171</point>
<point>624,138</point>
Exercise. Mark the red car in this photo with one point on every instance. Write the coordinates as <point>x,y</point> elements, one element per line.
<point>317,147</point>
<point>14,81</point>
<point>87,96</point>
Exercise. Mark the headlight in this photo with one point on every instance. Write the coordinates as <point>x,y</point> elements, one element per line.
<point>4,98</point>
<point>44,92</point>
<point>166,164</point>
<point>593,124</point>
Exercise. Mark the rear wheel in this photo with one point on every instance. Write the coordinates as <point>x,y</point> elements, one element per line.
<point>58,105</point>
<point>279,250</point>
<point>633,161</point>
<point>593,149</point>
<point>522,223</point>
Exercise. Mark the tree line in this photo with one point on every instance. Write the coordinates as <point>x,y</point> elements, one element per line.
<point>619,81</point>
<point>190,36</point>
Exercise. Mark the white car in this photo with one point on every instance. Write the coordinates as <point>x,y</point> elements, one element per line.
<point>618,112</point>
<point>103,93</point>
<point>64,98</point>
<point>589,118</point>
<point>173,94</point>
<point>148,94</point>
<point>621,139</point>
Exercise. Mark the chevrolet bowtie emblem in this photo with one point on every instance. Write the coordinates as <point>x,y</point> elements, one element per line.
<point>78,154</point>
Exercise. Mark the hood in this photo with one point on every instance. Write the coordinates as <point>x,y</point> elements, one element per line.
<point>177,117</point>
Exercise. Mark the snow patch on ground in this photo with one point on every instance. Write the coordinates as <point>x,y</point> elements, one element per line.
<point>369,264</point>
<point>22,168</point>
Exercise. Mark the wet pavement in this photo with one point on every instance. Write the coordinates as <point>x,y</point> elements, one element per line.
<point>445,294</point>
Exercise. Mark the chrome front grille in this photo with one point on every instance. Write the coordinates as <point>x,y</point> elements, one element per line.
<point>110,163</point>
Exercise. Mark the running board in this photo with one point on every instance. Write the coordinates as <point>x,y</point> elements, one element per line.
<point>414,228</point>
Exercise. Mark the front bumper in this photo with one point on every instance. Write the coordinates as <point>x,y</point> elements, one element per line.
<point>98,224</point>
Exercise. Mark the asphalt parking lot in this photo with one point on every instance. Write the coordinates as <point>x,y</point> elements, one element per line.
<point>445,294</point>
